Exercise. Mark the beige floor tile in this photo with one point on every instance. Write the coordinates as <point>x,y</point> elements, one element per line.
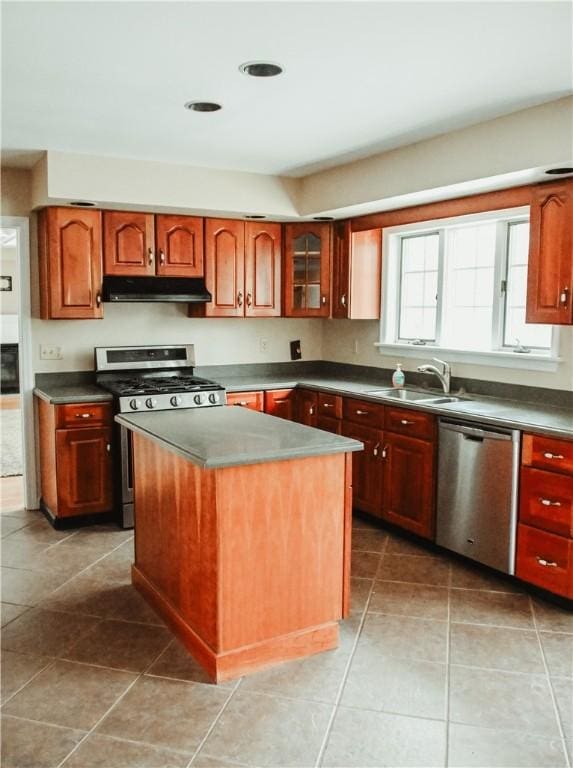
<point>551,617</point>
<point>120,645</point>
<point>269,731</point>
<point>563,690</point>
<point>502,700</point>
<point>359,591</point>
<point>166,713</point>
<point>45,633</point>
<point>21,554</point>
<point>106,752</point>
<point>9,525</point>
<point>347,631</point>
<point>404,637</point>
<point>88,595</point>
<point>514,650</point>
<point>362,739</point>
<point>432,571</point>
<point>18,669</point>
<point>494,608</point>
<point>206,761</point>
<point>401,545</point>
<point>177,663</point>
<point>401,686</point>
<point>35,745</point>
<point>131,606</point>
<point>70,695</point>
<point>473,747</point>
<point>360,522</point>
<point>409,600</point>
<point>40,532</point>
<point>28,587</point>
<point>558,650</point>
<point>368,540</point>
<point>10,611</point>
<point>316,678</point>
<point>364,565</point>
<point>467,575</point>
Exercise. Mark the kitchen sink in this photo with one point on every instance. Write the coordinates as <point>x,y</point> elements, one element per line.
<point>413,396</point>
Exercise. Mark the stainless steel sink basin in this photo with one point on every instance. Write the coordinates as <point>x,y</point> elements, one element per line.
<point>413,396</point>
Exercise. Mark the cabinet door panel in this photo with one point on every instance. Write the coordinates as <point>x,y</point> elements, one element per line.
<point>409,484</point>
<point>279,402</point>
<point>545,560</point>
<point>224,267</point>
<point>550,271</point>
<point>262,269</point>
<point>179,245</point>
<point>546,500</point>
<point>340,269</point>
<point>128,243</point>
<point>84,471</point>
<point>252,400</point>
<point>367,468</point>
<point>305,410</point>
<point>70,264</point>
<point>307,270</point>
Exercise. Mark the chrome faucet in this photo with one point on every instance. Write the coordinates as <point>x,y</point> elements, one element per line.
<point>444,375</point>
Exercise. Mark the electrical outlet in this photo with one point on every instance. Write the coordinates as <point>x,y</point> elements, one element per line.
<point>51,352</point>
<point>263,345</point>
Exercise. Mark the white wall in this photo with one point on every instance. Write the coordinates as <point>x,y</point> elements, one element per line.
<point>9,300</point>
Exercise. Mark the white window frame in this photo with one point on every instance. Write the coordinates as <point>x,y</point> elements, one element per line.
<point>542,360</point>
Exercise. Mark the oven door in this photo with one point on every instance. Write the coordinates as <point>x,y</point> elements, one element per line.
<point>126,445</point>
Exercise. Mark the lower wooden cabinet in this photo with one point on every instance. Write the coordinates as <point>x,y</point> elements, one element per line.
<point>253,400</point>
<point>280,402</point>
<point>545,560</point>
<point>367,468</point>
<point>329,424</point>
<point>75,459</point>
<point>306,406</point>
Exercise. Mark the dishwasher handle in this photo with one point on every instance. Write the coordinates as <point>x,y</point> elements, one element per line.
<point>475,433</point>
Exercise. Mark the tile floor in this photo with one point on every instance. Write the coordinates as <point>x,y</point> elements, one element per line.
<point>439,664</point>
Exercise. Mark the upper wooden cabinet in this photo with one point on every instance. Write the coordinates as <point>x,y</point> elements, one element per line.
<point>242,269</point>
<point>356,272</point>
<point>70,254</point>
<point>144,244</point>
<point>307,269</point>
<point>550,271</point>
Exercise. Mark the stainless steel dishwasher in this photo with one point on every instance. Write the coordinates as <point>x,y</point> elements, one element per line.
<point>477,492</point>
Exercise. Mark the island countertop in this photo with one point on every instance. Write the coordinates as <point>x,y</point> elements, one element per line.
<point>227,437</point>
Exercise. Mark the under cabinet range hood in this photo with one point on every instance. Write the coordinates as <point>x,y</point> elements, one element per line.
<point>166,289</point>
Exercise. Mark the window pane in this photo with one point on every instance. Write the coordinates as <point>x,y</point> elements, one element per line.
<point>515,327</point>
<point>418,287</point>
<point>468,282</point>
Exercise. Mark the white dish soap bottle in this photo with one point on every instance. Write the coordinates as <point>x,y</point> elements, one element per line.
<point>398,377</point>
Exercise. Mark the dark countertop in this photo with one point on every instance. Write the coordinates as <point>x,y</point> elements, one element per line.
<point>61,394</point>
<point>227,437</point>
<point>514,414</point>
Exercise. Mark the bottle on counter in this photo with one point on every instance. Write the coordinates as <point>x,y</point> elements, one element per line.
<point>398,377</point>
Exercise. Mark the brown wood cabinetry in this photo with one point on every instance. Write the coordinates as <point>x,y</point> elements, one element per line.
<point>252,400</point>
<point>545,530</point>
<point>305,407</point>
<point>363,412</point>
<point>279,402</point>
<point>307,257</point>
<point>242,269</point>
<point>70,254</point>
<point>367,468</point>
<point>329,424</point>
<point>356,272</point>
<point>329,405</point>
<point>139,244</point>
<point>550,270</point>
<point>75,459</point>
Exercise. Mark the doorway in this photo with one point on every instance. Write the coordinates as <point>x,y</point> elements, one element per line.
<point>18,487</point>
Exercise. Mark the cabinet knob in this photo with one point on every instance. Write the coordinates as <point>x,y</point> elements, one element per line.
<point>549,503</point>
<point>150,256</point>
<point>343,300</point>
<point>98,300</point>
<point>557,456</point>
<point>323,299</point>
<point>375,449</point>
<point>385,452</point>
<point>240,298</point>
<point>108,447</point>
<point>311,410</point>
<point>564,298</point>
<point>546,563</point>
<point>161,257</point>
<point>249,299</point>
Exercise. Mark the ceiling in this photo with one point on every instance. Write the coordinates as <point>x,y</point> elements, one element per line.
<point>111,78</point>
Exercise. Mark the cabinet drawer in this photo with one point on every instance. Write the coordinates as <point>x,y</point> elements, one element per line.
<point>544,559</point>
<point>546,500</point>
<point>329,405</point>
<point>252,400</point>
<point>548,453</point>
<point>279,402</point>
<point>363,412</point>
<point>412,423</point>
<point>329,424</point>
<point>83,415</point>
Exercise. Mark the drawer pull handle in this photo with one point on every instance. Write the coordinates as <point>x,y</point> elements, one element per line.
<point>343,300</point>
<point>249,299</point>
<point>361,413</point>
<point>150,256</point>
<point>375,449</point>
<point>549,503</point>
<point>161,257</point>
<point>240,299</point>
<point>328,405</point>
<point>564,297</point>
<point>546,563</point>
<point>108,447</point>
<point>242,402</point>
<point>406,423</point>
<point>311,411</point>
<point>84,415</point>
<point>548,455</point>
<point>384,451</point>
<point>323,299</point>
<point>98,300</point>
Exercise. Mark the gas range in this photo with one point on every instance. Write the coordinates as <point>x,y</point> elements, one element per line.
<point>154,378</point>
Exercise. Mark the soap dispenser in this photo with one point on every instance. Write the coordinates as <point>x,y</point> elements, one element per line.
<point>398,378</point>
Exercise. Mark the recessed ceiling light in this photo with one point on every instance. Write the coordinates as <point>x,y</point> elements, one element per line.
<point>82,203</point>
<point>559,171</point>
<point>202,106</point>
<point>254,216</point>
<point>260,69</point>
<point>323,218</point>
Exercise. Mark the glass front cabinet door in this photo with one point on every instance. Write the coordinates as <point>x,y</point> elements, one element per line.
<point>307,269</point>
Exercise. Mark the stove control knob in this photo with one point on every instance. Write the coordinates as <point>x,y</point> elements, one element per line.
<point>135,404</point>
<point>214,398</point>
<point>176,400</point>
<point>198,399</point>
<point>151,402</point>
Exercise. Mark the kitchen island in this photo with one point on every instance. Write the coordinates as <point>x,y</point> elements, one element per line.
<point>242,533</point>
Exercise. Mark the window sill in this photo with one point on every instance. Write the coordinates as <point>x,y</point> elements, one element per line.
<point>529,361</point>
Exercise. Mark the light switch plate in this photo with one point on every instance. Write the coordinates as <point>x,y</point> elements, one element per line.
<point>51,352</point>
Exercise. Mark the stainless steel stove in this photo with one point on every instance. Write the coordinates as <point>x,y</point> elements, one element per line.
<point>144,379</point>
